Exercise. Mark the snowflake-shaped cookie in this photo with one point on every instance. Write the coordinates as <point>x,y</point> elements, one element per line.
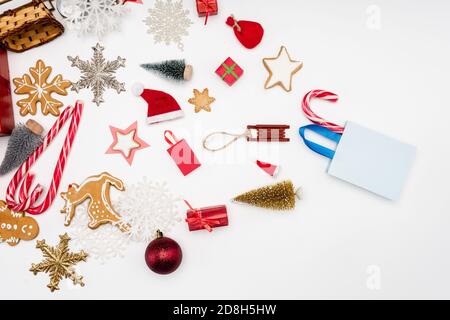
<point>103,243</point>
<point>40,91</point>
<point>98,74</point>
<point>92,16</point>
<point>168,22</point>
<point>148,206</point>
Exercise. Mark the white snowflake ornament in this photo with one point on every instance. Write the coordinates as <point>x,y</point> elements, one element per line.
<point>168,22</point>
<point>103,243</point>
<point>148,206</point>
<point>92,16</point>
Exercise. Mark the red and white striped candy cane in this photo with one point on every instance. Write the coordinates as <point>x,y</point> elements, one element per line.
<point>26,200</point>
<point>322,94</point>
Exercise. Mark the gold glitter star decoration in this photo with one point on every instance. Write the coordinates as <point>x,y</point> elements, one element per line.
<point>58,262</point>
<point>281,70</point>
<point>202,101</point>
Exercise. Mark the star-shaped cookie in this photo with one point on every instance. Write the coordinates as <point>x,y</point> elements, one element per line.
<point>281,70</point>
<point>202,100</point>
<point>126,142</point>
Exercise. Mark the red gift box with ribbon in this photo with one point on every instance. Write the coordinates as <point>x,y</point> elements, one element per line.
<point>6,106</point>
<point>206,218</point>
<point>229,71</point>
<point>181,153</point>
<point>206,8</point>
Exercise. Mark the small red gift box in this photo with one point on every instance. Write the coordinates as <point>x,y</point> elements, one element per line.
<point>229,71</point>
<point>207,218</point>
<point>181,153</point>
<point>207,7</point>
<point>6,106</point>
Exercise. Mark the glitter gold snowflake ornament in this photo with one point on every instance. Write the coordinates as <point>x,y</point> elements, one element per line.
<point>58,262</point>
<point>168,22</point>
<point>39,90</point>
<point>98,74</point>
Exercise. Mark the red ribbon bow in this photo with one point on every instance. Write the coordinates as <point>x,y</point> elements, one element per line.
<point>208,5</point>
<point>170,138</point>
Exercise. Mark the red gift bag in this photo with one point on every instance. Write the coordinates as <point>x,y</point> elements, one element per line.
<point>6,106</point>
<point>181,153</point>
<point>206,218</point>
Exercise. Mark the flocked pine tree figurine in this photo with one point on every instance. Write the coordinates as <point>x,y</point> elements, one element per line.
<point>24,140</point>
<point>171,69</point>
<point>280,196</point>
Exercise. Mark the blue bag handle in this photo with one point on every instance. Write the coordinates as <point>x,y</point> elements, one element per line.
<point>324,132</point>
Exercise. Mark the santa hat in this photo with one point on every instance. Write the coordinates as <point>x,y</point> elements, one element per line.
<point>270,169</point>
<point>161,106</point>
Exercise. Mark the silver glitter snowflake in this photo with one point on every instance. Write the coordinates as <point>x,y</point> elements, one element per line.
<point>98,74</point>
<point>168,22</point>
<point>104,243</point>
<point>92,16</point>
<point>148,206</point>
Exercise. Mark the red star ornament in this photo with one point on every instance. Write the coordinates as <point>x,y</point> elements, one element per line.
<point>126,142</point>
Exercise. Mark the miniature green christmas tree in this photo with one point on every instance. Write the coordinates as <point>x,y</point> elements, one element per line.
<point>171,69</point>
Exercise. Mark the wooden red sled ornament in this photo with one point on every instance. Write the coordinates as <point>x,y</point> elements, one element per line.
<point>268,133</point>
<point>264,133</point>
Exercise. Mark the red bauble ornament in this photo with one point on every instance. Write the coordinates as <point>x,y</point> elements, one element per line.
<point>249,33</point>
<point>163,255</point>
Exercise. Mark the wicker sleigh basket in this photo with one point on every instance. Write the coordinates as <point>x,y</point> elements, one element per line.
<point>28,26</point>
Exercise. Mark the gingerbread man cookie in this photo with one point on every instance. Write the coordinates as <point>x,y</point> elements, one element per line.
<point>100,210</point>
<point>14,226</point>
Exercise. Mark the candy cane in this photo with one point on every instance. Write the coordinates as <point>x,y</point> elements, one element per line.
<point>26,201</point>
<point>322,94</point>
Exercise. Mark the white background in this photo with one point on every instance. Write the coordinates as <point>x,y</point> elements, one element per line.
<point>389,63</point>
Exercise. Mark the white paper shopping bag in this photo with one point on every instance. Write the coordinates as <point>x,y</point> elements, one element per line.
<point>366,158</point>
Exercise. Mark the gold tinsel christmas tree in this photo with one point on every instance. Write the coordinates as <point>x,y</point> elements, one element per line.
<point>280,196</point>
